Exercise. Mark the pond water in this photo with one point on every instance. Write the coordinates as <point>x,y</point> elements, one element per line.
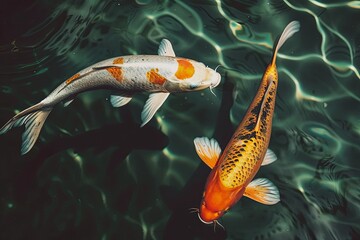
<point>95,174</point>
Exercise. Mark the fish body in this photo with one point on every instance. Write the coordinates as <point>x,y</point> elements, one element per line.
<point>137,73</point>
<point>233,172</point>
<point>158,75</point>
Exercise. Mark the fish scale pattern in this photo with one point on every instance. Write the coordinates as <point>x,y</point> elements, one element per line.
<point>241,161</point>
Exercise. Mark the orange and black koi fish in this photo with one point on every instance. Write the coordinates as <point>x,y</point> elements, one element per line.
<point>233,172</point>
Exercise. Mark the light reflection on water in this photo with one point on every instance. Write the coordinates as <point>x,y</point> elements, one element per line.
<point>95,174</point>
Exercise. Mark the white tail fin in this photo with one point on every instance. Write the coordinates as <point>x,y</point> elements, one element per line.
<point>289,30</point>
<point>33,118</point>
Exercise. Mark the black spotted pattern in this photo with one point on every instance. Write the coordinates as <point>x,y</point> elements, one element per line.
<point>247,147</point>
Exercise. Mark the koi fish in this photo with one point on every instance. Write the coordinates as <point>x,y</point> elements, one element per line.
<point>159,75</point>
<point>232,172</point>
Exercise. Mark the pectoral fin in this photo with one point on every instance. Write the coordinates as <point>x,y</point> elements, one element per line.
<point>119,101</point>
<point>270,157</point>
<point>263,191</point>
<point>208,150</point>
<point>152,105</point>
<point>166,49</point>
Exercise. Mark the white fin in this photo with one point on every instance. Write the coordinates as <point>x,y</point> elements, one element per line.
<point>166,49</point>
<point>152,105</point>
<point>270,157</point>
<point>119,101</point>
<point>289,30</point>
<point>67,103</point>
<point>263,191</point>
<point>33,118</point>
<point>208,150</point>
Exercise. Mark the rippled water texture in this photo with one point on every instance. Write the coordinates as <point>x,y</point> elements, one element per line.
<point>94,174</point>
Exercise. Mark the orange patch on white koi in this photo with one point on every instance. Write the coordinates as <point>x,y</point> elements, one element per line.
<point>76,76</point>
<point>185,69</point>
<point>154,77</point>
<point>118,60</point>
<point>116,72</point>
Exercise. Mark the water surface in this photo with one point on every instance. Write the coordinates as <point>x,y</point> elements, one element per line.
<point>94,174</point>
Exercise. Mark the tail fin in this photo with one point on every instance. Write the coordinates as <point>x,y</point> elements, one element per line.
<point>33,118</point>
<point>289,30</point>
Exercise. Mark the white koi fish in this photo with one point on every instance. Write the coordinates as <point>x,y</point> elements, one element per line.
<point>159,75</point>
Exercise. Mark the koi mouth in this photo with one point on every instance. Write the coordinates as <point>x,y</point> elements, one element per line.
<point>211,222</point>
<point>215,82</point>
<point>196,210</point>
<point>215,222</point>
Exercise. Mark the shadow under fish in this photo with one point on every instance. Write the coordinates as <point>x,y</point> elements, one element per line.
<point>24,170</point>
<point>182,223</point>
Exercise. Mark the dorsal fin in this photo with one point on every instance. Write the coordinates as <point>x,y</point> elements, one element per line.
<point>262,106</point>
<point>166,49</point>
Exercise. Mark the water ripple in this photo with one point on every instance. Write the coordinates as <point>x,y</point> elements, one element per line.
<point>74,185</point>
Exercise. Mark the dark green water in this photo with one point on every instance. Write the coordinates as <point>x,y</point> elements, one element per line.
<point>94,174</point>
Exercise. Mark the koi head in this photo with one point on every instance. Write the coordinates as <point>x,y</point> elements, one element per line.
<point>194,78</point>
<point>216,200</point>
<point>211,80</point>
<point>207,215</point>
